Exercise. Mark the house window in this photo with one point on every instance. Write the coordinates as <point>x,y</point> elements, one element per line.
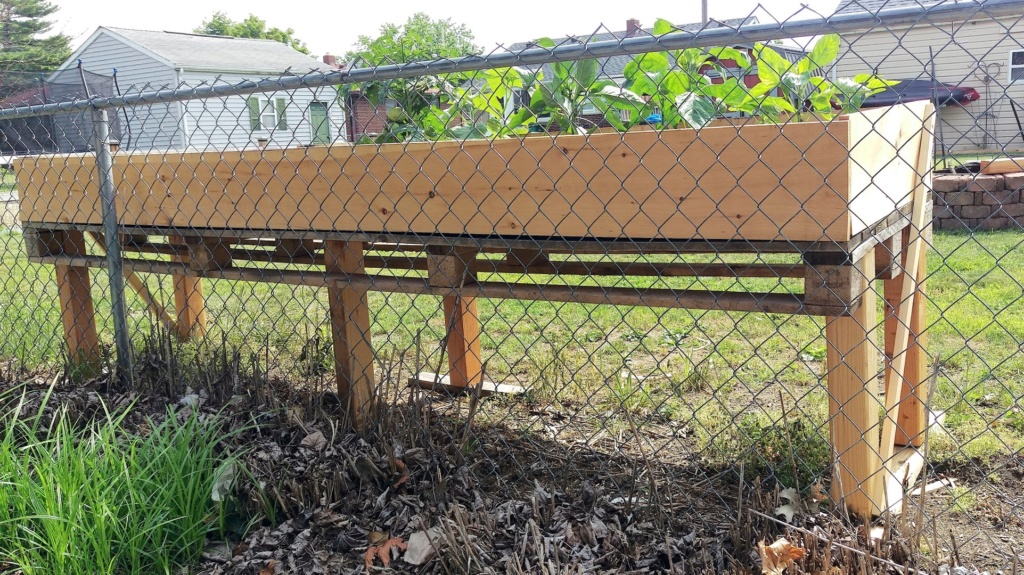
<point>1016,65</point>
<point>267,114</point>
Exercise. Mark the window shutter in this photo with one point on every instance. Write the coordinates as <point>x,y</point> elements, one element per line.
<point>254,113</point>
<point>282,114</point>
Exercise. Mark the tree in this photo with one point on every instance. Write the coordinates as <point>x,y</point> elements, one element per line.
<point>420,38</point>
<point>24,43</point>
<point>252,27</point>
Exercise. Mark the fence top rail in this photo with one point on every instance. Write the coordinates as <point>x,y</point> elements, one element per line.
<point>851,23</point>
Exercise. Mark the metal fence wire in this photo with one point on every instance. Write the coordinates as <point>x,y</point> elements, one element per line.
<point>618,304</point>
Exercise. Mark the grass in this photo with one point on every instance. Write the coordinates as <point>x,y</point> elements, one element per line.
<point>100,500</point>
<point>692,367</point>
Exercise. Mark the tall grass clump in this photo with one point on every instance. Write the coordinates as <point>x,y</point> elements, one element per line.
<point>96,499</point>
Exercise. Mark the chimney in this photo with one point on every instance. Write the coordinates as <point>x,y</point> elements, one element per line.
<point>331,61</point>
<point>632,27</point>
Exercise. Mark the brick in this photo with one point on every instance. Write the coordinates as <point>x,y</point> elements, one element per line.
<point>943,212</point>
<point>1020,221</point>
<point>995,223</point>
<point>1013,181</point>
<point>978,212</point>
<point>1013,210</point>
<point>961,198</point>
<point>951,182</point>
<point>951,224</point>
<point>1000,197</point>
<point>983,183</point>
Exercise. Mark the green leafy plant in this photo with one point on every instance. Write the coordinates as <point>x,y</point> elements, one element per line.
<point>675,86</point>
<point>573,86</point>
<point>102,500</point>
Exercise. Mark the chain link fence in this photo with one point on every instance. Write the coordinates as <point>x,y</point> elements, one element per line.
<point>632,304</point>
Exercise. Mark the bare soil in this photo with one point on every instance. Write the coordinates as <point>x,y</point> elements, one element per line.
<point>518,493</point>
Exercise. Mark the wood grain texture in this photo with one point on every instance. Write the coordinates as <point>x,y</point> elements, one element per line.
<point>911,418</point>
<point>766,188</point>
<point>464,356</point>
<point>350,330</point>
<point>77,312</point>
<point>913,259</point>
<point>852,360</point>
<point>1002,166</point>
<point>189,302</point>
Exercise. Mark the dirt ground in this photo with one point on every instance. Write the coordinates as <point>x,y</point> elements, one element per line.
<point>431,494</point>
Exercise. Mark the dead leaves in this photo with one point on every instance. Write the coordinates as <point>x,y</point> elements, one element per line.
<point>269,569</point>
<point>382,550</point>
<point>400,465</point>
<point>775,558</point>
<point>797,504</point>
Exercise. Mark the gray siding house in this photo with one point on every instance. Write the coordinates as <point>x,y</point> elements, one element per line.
<point>983,53</point>
<point>152,60</point>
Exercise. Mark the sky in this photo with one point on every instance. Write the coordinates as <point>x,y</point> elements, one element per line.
<point>331,27</point>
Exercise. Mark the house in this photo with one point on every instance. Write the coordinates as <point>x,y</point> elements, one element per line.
<point>983,52</point>
<point>147,60</point>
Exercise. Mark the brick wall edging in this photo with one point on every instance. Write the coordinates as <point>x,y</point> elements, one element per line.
<point>973,202</point>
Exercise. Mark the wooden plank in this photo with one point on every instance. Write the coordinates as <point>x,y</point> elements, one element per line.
<point>434,382</point>
<point>912,418</point>
<point>913,266</point>
<point>189,302</point>
<point>1002,166</point>
<point>835,286</point>
<point>77,312</point>
<point>886,253</point>
<point>902,471</point>
<point>350,329</point>
<point>666,298</point>
<point>884,144</point>
<point>853,410</point>
<point>462,322</point>
<point>569,186</point>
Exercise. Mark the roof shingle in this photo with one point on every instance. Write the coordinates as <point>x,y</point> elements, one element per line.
<point>221,53</point>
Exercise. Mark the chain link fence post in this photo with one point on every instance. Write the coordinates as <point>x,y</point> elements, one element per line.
<point>112,244</point>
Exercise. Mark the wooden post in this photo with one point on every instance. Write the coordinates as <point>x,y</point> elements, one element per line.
<point>450,267</point>
<point>77,312</point>
<point>350,329</point>
<point>463,322</point>
<point>911,418</point>
<point>188,299</point>
<point>853,408</point>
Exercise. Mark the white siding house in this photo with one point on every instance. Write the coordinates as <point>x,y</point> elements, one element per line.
<point>149,60</point>
<point>979,53</point>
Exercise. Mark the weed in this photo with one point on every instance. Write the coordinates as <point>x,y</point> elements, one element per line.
<point>962,499</point>
<point>99,500</point>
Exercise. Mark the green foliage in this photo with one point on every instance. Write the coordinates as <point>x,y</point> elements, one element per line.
<point>99,500</point>
<point>420,38</point>
<point>252,27</point>
<point>676,84</point>
<point>25,45</point>
<point>575,85</point>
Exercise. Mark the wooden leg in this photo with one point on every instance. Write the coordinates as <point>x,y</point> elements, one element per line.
<point>77,312</point>
<point>463,324</point>
<point>911,419</point>
<point>188,301</point>
<point>853,408</point>
<point>350,329</point>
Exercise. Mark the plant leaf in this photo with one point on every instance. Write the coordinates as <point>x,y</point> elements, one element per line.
<point>775,558</point>
<point>696,109</point>
<point>663,26</point>
<point>825,51</point>
<point>770,65</point>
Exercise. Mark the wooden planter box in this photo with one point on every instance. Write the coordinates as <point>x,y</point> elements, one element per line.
<point>798,182</point>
